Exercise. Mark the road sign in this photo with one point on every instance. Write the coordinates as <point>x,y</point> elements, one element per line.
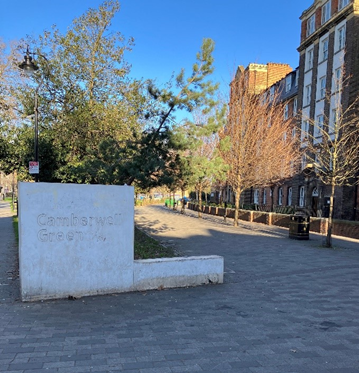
<point>34,167</point>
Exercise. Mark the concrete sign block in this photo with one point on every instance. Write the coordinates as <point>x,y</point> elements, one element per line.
<point>75,239</point>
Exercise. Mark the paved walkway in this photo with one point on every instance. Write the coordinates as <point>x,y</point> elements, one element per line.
<point>285,306</point>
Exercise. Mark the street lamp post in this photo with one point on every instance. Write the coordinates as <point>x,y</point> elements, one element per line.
<point>29,67</point>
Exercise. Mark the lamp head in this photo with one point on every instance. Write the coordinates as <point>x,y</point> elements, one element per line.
<point>28,66</point>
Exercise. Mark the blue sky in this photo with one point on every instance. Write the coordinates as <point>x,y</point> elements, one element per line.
<point>168,33</point>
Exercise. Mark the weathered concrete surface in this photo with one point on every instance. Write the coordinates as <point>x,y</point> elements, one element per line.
<point>177,272</point>
<point>285,306</point>
<point>75,240</point>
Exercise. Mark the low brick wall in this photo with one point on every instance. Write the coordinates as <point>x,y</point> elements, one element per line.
<point>260,217</point>
<point>319,225</point>
<point>281,220</point>
<point>346,228</point>
<point>244,215</point>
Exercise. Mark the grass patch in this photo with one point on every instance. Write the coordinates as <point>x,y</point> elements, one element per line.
<point>15,224</point>
<point>148,248</point>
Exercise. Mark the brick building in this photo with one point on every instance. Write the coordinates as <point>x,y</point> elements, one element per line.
<point>329,50</point>
<point>259,77</point>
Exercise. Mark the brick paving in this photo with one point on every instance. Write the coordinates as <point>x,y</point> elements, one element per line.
<point>285,306</point>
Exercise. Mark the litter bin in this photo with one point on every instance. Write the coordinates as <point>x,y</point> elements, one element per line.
<point>299,227</point>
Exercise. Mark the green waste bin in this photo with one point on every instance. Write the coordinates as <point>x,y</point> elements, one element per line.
<point>299,226</point>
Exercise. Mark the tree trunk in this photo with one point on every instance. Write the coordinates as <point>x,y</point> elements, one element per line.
<point>272,199</point>
<point>182,204</point>
<point>200,202</point>
<point>328,241</point>
<point>174,201</point>
<point>236,211</point>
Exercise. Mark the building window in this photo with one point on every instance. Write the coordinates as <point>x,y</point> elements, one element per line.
<point>264,196</point>
<point>334,121</point>
<point>305,129</point>
<point>310,59</point>
<point>304,162</point>
<point>256,196</point>
<point>311,25</point>
<point>295,106</point>
<point>341,38</point>
<point>288,83</point>
<point>325,49</point>
<point>326,8</point>
<point>296,78</point>
<point>271,93</point>
<point>286,112</point>
<point>308,93</point>
<point>280,196</point>
<point>294,133</point>
<point>322,84</point>
<point>315,192</point>
<point>342,4</point>
<point>290,195</point>
<point>338,79</point>
<point>301,196</point>
<point>320,125</point>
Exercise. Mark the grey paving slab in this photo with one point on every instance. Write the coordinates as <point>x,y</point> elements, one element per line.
<point>285,306</point>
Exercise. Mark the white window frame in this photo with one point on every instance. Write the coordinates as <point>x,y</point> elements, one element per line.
<point>319,125</point>
<point>294,132</point>
<point>324,45</point>
<point>315,192</point>
<point>322,86</point>
<point>271,93</point>
<point>295,106</point>
<point>337,79</point>
<point>310,55</point>
<point>301,196</point>
<point>342,4</point>
<point>280,196</point>
<point>305,129</point>
<point>311,25</point>
<point>288,83</point>
<point>256,197</point>
<point>341,37</point>
<point>304,161</point>
<point>308,94</point>
<point>333,121</point>
<point>264,201</point>
<point>286,111</point>
<point>290,196</point>
<point>326,12</point>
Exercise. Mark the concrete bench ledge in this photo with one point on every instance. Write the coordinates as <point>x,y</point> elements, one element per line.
<point>177,272</point>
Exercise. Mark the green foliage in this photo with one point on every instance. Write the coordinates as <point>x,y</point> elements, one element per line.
<point>148,248</point>
<point>15,224</point>
<point>96,124</point>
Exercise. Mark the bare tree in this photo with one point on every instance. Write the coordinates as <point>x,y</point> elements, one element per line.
<point>332,145</point>
<point>9,80</point>
<point>256,143</point>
